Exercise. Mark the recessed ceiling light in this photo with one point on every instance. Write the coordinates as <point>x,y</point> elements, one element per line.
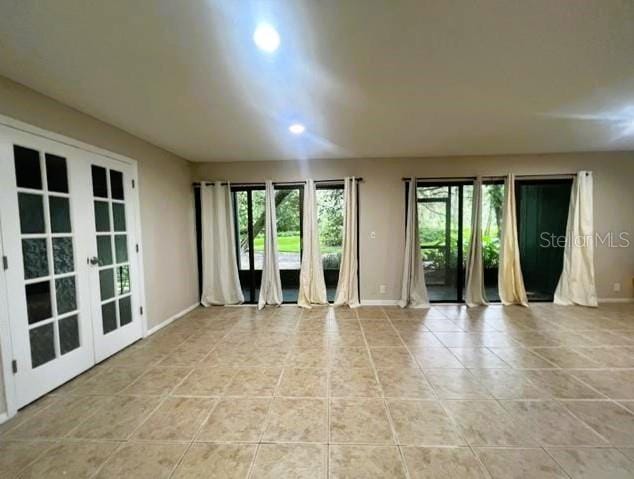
<point>266,38</point>
<point>297,128</point>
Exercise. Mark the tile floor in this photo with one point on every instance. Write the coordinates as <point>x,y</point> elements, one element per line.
<point>544,392</point>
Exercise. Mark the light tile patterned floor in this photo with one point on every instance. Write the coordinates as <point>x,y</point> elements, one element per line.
<point>544,392</point>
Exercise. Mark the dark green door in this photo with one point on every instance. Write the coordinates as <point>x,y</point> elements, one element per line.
<point>542,208</point>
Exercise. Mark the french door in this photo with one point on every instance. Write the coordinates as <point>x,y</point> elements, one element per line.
<point>72,301</point>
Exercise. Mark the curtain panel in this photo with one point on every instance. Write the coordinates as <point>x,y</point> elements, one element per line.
<point>475,294</point>
<point>271,285</point>
<point>348,283</point>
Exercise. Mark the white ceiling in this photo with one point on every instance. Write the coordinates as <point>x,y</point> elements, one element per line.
<point>368,78</point>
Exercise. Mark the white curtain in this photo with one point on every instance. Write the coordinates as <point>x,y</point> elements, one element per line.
<point>413,289</point>
<point>577,283</point>
<point>312,286</point>
<point>475,294</point>
<point>221,283</point>
<point>510,281</point>
<point>348,284</point>
<point>271,286</point>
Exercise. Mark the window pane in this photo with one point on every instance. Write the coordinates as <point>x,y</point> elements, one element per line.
<point>99,182</point>
<point>104,250</point>
<point>109,317</point>
<point>102,216</point>
<point>42,344</point>
<point>35,258</point>
<point>116,184</point>
<point>63,255</point>
<point>118,216</point>
<point>121,248</point>
<point>68,334</point>
<point>288,229</point>
<point>38,301</point>
<point>257,198</point>
<point>243,227</point>
<point>60,214</point>
<point>66,295</point>
<point>56,177</point>
<point>31,213</point>
<point>106,282</point>
<point>492,199</point>
<point>27,168</point>
<point>330,219</point>
<point>125,310</point>
<point>123,280</point>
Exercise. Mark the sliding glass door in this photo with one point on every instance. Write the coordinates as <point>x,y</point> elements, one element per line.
<point>330,219</point>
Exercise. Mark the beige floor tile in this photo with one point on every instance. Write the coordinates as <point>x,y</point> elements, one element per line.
<point>158,381</point>
<point>613,422</point>
<point>176,419</point>
<point>347,357</point>
<point>520,464</point>
<point>297,461</point>
<point>629,452</point>
<point>236,419</point>
<point>28,412</point>
<point>66,460</point>
<point>217,461</point>
<point>616,384</point>
<point>486,423</point>
<point>360,421</point>
<point>359,382</point>
<point>518,357</point>
<point>610,357</point>
<point>303,382</point>
<point>344,313</point>
<point>116,419</point>
<point>460,340</point>
<point>589,463</point>
<point>456,384</point>
<point>142,461</point>
<point>442,325</point>
<point>365,462</point>
<point>404,383</point>
<point>206,381</point>
<point>392,358</point>
<point>110,381</point>
<point>421,340</point>
<point>478,358</point>
<point>308,358</point>
<point>431,358</point>
<point>565,357</point>
<point>59,419</point>
<point>442,463</point>
<point>16,455</point>
<point>562,385</point>
<point>551,424</point>
<point>297,420</point>
<point>371,312</point>
<point>254,382</point>
<point>385,338</point>
<point>423,423</point>
<point>508,384</point>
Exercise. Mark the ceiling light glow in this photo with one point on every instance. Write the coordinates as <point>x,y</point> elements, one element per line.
<point>297,128</point>
<point>266,38</point>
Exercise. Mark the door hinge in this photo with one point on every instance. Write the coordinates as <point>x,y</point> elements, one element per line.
<point>141,309</point>
<point>14,366</point>
<point>5,263</point>
<point>133,184</point>
<point>137,247</point>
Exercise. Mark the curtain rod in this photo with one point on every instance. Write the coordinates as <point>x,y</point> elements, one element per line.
<point>471,178</point>
<point>261,183</point>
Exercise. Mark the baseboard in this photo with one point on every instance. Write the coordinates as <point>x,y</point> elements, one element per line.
<point>616,300</point>
<point>4,417</point>
<point>169,320</point>
<point>379,302</point>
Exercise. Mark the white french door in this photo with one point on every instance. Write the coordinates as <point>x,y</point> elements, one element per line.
<point>69,307</point>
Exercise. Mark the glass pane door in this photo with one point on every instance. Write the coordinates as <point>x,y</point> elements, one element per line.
<point>289,202</point>
<point>330,219</point>
<point>49,309</point>
<point>116,305</point>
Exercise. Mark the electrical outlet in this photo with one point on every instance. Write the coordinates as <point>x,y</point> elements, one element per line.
<point>373,235</point>
<point>382,289</point>
<point>617,287</point>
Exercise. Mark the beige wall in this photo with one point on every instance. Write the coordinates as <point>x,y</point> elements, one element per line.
<point>166,196</point>
<point>382,203</point>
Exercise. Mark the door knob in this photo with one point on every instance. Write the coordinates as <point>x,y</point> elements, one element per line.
<point>93,261</point>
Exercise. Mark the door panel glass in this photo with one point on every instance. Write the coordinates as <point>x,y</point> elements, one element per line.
<point>109,317</point>
<point>38,301</point>
<point>102,216</point>
<point>60,214</point>
<point>258,202</point>
<point>31,213</point>
<point>56,176</point>
<point>492,202</point>
<point>106,282</point>
<point>125,310</point>
<point>68,334</point>
<point>330,220</point>
<point>288,204</point>
<point>42,340</point>
<point>123,280</point>
<point>99,182</point>
<point>116,184</point>
<point>104,250</point>
<point>27,168</point>
<point>66,295</point>
<point>121,248</point>
<point>118,216</point>
<point>35,258</point>
<point>63,259</point>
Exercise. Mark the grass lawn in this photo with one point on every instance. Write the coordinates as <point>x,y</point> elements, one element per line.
<point>288,244</point>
